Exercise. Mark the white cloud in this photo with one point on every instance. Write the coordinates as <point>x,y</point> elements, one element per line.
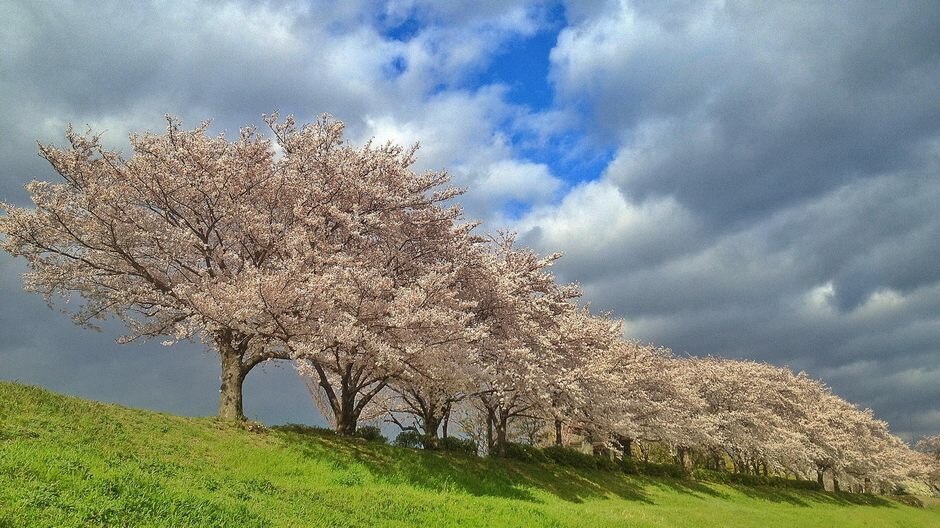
<point>521,181</point>
<point>463,132</point>
<point>596,221</point>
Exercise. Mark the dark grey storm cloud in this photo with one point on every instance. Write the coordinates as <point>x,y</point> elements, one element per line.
<point>786,159</point>
<point>742,109</point>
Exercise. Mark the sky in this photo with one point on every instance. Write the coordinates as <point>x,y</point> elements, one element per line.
<point>752,180</point>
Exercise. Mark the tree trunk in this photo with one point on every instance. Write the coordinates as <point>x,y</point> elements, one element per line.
<point>819,479</point>
<point>346,422</point>
<point>430,425</point>
<point>489,432</point>
<point>501,438</point>
<point>835,484</point>
<point>680,457</point>
<point>343,397</point>
<point>446,422</point>
<point>558,432</point>
<point>627,444</point>
<point>232,377</point>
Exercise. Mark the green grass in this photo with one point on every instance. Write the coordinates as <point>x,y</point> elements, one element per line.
<point>71,462</point>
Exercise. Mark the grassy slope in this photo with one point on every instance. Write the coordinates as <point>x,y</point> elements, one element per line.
<point>70,462</point>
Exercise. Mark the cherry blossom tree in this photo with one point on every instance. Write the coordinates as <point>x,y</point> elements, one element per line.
<point>430,384</point>
<point>379,265</point>
<point>343,259</point>
<point>325,252</point>
<point>169,241</point>
<point>520,304</point>
<point>849,444</point>
<point>756,409</point>
<point>577,338</point>
<point>929,446</point>
<point>766,419</point>
<point>642,393</point>
<point>427,389</point>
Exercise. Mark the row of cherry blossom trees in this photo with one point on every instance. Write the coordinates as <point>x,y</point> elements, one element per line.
<point>360,270</point>
<point>624,396</point>
<point>758,418</point>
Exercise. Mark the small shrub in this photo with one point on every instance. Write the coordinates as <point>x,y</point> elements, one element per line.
<point>800,484</point>
<point>606,463</point>
<point>252,427</point>
<point>415,440</point>
<point>525,453</point>
<point>629,465</point>
<point>653,469</point>
<point>409,439</point>
<point>371,433</point>
<point>565,456</point>
<point>639,467</point>
<point>724,477</point>
<point>710,475</point>
<point>458,445</point>
<point>304,429</point>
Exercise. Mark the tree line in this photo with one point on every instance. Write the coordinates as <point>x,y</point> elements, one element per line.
<point>364,274</point>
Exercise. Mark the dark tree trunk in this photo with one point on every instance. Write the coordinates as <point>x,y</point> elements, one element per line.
<point>446,423</point>
<point>349,397</point>
<point>347,420</point>
<point>558,432</point>
<point>430,424</point>
<point>680,457</point>
<point>835,484</point>
<point>627,444</point>
<point>819,479</point>
<point>232,378</point>
<point>501,436</point>
<point>490,443</point>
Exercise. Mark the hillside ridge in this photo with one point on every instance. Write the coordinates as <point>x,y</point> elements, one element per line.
<point>65,461</point>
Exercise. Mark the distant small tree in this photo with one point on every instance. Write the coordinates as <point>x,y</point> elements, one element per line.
<point>930,445</point>
<point>639,392</point>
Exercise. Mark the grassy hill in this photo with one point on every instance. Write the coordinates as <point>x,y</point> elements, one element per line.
<point>71,462</point>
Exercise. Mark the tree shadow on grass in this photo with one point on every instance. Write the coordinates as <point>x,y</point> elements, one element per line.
<point>685,486</point>
<point>571,485</point>
<point>806,498</point>
<point>456,472</point>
